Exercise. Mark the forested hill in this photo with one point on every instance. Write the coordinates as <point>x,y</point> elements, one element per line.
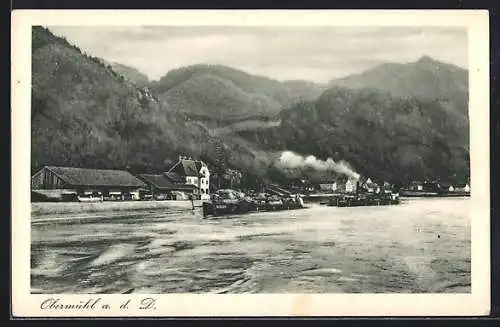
<point>130,73</point>
<point>227,94</point>
<point>382,136</point>
<point>86,114</point>
<point>425,78</point>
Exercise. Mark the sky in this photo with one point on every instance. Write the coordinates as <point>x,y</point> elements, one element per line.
<point>318,54</point>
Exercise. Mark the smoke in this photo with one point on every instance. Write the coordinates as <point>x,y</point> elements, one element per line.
<point>291,160</point>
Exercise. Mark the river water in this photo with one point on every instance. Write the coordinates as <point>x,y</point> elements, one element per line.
<point>419,246</point>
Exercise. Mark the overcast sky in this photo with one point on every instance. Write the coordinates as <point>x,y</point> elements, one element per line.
<point>318,54</point>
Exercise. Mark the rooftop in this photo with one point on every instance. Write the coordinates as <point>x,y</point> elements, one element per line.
<point>161,182</point>
<point>187,167</point>
<point>96,177</point>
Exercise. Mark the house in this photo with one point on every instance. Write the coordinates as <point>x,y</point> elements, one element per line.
<point>328,186</point>
<point>351,185</point>
<point>163,186</point>
<point>462,188</point>
<point>101,183</point>
<point>343,184</point>
<point>369,186</point>
<point>417,186</point>
<point>193,172</point>
<point>446,187</point>
<point>432,186</point>
<point>386,187</point>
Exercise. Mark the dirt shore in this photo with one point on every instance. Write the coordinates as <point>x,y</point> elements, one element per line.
<point>40,209</point>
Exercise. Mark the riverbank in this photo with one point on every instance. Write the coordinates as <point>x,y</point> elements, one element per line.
<point>420,247</point>
<point>40,209</point>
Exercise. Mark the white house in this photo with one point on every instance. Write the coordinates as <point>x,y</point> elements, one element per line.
<point>350,186</point>
<point>330,186</point>
<point>204,180</point>
<point>194,172</point>
<point>462,188</point>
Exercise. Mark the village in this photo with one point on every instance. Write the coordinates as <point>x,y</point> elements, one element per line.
<point>189,179</point>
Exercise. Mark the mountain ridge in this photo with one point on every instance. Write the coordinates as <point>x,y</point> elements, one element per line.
<point>425,78</point>
<point>85,114</point>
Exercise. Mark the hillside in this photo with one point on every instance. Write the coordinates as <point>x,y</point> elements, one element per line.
<point>84,114</point>
<point>226,94</point>
<point>380,135</point>
<point>130,73</point>
<point>426,79</point>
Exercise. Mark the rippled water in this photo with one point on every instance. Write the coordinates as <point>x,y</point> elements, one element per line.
<point>422,245</point>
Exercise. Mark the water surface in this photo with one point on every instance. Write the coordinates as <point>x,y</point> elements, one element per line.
<point>420,246</point>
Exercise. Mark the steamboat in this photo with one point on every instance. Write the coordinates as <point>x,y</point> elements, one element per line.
<point>363,200</point>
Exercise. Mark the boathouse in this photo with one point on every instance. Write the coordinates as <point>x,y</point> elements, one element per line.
<point>193,172</point>
<point>166,186</point>
<point>68,182</point>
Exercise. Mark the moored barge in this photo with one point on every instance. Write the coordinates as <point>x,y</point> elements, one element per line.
<point>229,202</point>
<point>363,200</point>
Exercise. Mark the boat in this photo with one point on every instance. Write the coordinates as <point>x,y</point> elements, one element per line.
<point>228,202</point>
<point>418,194</point>
<point>362,200</point>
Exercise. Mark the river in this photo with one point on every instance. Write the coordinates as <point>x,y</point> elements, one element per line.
<point>419,246</point>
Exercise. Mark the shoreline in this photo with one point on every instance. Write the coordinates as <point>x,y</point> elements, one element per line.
<point>42,209</point>
<point>51,211</point>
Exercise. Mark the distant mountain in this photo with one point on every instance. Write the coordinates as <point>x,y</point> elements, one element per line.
<point>426,79</point>
<point>227,94</point>
<point>86,114</point>
<point>130,73</point>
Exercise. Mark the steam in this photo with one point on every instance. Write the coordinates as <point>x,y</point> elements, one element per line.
<point>291,160</point>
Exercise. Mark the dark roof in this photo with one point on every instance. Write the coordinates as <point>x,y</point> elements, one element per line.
<point>163,183</point>
<point>198,164</point>
<point>174,177</point>
<point>187,167</point>
<point>342,179</point>
<point>96,177</point>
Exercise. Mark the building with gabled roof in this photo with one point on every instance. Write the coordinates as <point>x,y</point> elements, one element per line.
<point>464,187</point>
<point>51,177</point>
<point>193,172</point>
<point>86,181</point>
<point>161,186</point>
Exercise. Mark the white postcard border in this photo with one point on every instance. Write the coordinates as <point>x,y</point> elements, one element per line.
<point>25,304</point>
